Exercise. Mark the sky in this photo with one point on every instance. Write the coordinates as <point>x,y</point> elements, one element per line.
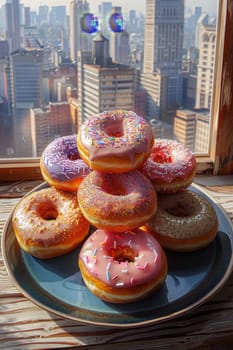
<point>208,6</point>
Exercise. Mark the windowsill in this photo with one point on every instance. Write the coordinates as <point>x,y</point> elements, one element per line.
<point>29,169</point>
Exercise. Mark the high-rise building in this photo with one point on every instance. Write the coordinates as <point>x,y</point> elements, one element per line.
<point>48,123</point>
<point>27,16</point>
<point>119,47</point>
<point>103,85</point>
<point>164,29</point>
<point>78,39</point>
<point>25,86</point>
<point>202,131</point>
<point>184,127</point>
<point>57,16</point>
<point>104,14</point>
<point>119,42</point>
<point>43,16</point>
<point>192,128</point>
<point>205,67</point>
<point>12,13</point>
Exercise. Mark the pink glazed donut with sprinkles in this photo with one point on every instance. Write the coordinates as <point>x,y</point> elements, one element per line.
<point>61,165</point>
<point>171,166</point>
<point>122,267</point>
<point>115,141</point>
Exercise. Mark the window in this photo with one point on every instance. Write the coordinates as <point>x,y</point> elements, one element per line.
<point>42,72</point>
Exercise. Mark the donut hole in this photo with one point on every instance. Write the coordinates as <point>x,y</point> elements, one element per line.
<point>48,212</point>
<point>73,156</point>
<point>114,130</point>
<point>180,210</point>
<point>122,254</point>
<point>116,190</point>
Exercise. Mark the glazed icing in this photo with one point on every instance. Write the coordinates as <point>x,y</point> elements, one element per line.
<point>168,160</point>
<point>49,217</point>
<point>116,133</point>
<point>62,161</point>
<point>140,261</point>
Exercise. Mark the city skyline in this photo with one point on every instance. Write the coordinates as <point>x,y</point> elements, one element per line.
<point>209,6</point>
<point>157,73</point>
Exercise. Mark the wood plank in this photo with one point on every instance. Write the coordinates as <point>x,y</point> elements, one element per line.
<point>224,143</point>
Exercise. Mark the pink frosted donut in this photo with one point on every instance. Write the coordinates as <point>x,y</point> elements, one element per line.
<point>122,267</point>
<point>171,166</point>
<point>115,141</point>
<point>117,202</point>
<point>61,165</point>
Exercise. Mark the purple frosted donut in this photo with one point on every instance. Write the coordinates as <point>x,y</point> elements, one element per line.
<point>61,165</point>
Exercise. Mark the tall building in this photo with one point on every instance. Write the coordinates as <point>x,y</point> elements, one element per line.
<point>104,13</point>
<point>43,16</point>
<point>57,16</point>
<point>202,131</point>
<point>205,67</point>
<point>27,16</point>
<point>192,127</point>
<point>184,127</point>
<point>78,39</point>
<point>103,85</point>
<point>119,43</point>
<point>120,49</point>
<point>163,41</point>
<point>12,13</point>
<point>25,86</point>
<point>48,123</point>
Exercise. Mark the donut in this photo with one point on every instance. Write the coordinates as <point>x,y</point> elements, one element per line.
<point>115,141</point>
<point>49,223</point>
<point>61,165</point>
<point>171,166</point>
<point>117,202</point>
<point>184,221</point>
<point>122,267</point>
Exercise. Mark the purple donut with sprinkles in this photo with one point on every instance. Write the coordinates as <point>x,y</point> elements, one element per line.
<point>61,165</point>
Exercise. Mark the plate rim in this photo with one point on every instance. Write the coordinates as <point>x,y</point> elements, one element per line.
<point>182,312</point>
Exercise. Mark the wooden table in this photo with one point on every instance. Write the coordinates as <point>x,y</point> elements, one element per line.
<point>24,325</point>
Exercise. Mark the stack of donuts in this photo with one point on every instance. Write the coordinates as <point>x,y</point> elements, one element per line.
<point>131,190</point>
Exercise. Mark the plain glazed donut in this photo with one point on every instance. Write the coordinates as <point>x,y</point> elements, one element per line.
<point>49,223</point>
<point>171,166</point>
<point>61,165</point>
<point>122,267</point>
<point>115,141</point>
<point>117,202</point>
<point>185,221</point>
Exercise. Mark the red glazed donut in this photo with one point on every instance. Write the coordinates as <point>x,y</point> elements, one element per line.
<point>49,223</point>
<point>61,165</point>
<point>170,166</point>
<point>115,141</point>
<point>122,267</point>
<point>185,221</point>
<point>117,202</point>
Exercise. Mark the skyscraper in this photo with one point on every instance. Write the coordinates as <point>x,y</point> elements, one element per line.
<point>102,84</point>
<point>161,77</point>
<point>25,80</point>
<point>104,12</point>
<point>119,47</point>
<point>205,67</point>
<point>78,39</point>
<point>12,13</point>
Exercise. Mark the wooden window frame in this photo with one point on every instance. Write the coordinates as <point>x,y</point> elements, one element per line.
<point>220,158</point>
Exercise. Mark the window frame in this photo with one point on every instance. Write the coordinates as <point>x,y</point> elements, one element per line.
<point>219,160</point>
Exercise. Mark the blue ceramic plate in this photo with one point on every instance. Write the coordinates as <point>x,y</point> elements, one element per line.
<point>56,285</point>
